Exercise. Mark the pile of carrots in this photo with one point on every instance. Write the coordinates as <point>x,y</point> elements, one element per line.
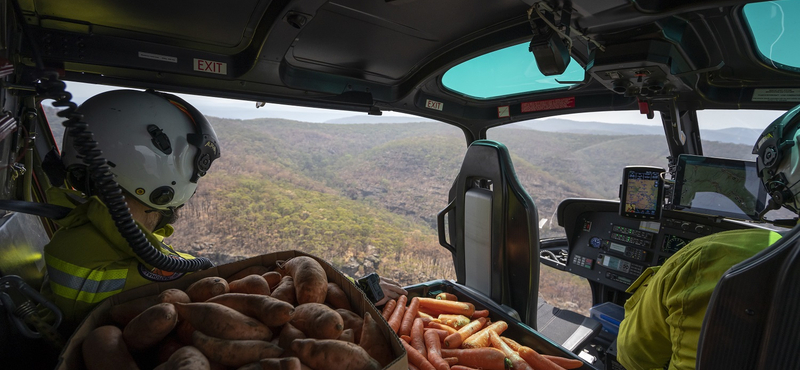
<point>442,333</point>
<point>287,318</point>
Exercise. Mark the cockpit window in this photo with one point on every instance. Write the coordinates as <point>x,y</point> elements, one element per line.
<point>773,25</point>
<point>504,72</point>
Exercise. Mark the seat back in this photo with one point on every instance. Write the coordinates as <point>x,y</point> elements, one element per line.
<point>753,317</point>
<point>493,230</point>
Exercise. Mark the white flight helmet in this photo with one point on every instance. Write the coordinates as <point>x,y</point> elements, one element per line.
<point>778,163</point>
<point>157,145</point>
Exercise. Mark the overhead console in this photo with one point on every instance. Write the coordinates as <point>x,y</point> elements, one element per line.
<point>654,71</point>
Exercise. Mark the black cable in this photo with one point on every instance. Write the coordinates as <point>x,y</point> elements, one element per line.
<point>109,190</point>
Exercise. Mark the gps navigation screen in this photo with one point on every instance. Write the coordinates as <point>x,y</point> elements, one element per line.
<point>718,186</point>
<point>642,192</point>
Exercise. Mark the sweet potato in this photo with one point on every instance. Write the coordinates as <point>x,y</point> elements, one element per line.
<point>168,347</point>
<point>286,363</point>
<point>285,291</point>
<point>352,321</point>
<point>184,331</point>
<point>105,349</point>
<point>273,278</point>
<point>234,352</point>
<point>318,321</point>
<point>188,358</point>
<point>123,313</point>
<point>288,334</point>
<point>270,311</point>
<point>150,327</point>
<point>347,336</point>
<point>205,288</point>
<point>310,280</point>
<point>250,270</point>
<point>320,354</point>
<point>222,322</point>
<point>250,284</point>
<point>336,297</point>
<point>373,341</point>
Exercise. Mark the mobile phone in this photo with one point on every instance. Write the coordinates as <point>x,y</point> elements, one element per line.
<point>371,286</point>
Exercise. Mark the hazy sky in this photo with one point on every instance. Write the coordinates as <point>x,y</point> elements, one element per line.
<point>227,108</point>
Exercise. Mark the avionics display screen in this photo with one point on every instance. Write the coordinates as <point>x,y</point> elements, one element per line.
<point>642,193</point>
<point>718,186</point>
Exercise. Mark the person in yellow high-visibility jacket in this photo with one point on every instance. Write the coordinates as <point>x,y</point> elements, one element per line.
<point>664,316</point>
<point>157,147</point>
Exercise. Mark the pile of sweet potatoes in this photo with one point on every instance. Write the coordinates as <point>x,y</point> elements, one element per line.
<point>444,334</point>
<point>287,318</point>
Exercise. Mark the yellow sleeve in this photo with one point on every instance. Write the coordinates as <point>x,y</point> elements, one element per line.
<point>644,335</point>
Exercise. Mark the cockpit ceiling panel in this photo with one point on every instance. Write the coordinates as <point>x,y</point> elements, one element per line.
<point>228,24</point>
<point>391,38</point>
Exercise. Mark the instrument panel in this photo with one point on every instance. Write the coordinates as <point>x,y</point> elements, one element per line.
<point>613,250</point>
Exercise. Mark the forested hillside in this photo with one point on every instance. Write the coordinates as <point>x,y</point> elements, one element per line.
<point>365,196</point>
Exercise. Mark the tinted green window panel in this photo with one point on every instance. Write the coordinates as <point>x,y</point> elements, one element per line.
<point>775,26</point>
<point>504,72</point>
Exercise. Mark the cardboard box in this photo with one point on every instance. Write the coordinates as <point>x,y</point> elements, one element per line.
<point>72,358</point>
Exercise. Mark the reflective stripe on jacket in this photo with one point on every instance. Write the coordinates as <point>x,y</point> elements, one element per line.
<point>88,260</point>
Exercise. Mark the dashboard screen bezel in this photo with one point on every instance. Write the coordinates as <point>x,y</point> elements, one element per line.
<point>698,160</point>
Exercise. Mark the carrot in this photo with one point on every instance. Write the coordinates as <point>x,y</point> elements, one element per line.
<point>435,351</point>
<point>480,313</point>
<point>409,316</point>
<point>417,336</point>
<point>511,343</point>
<point>481,338</point>
<point>454,321</point>
<point>482,358</point>
<point>446,296</point>
<point>397,316</point>
<point>453,307</point>
<point>388,309</point>
<point>436,325</point>
<point>516,360</point>
<point>441,333</point>
<point>536,360</point>
<point>417,359</point>
<point>454,340</point>
<point>567,363</point>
